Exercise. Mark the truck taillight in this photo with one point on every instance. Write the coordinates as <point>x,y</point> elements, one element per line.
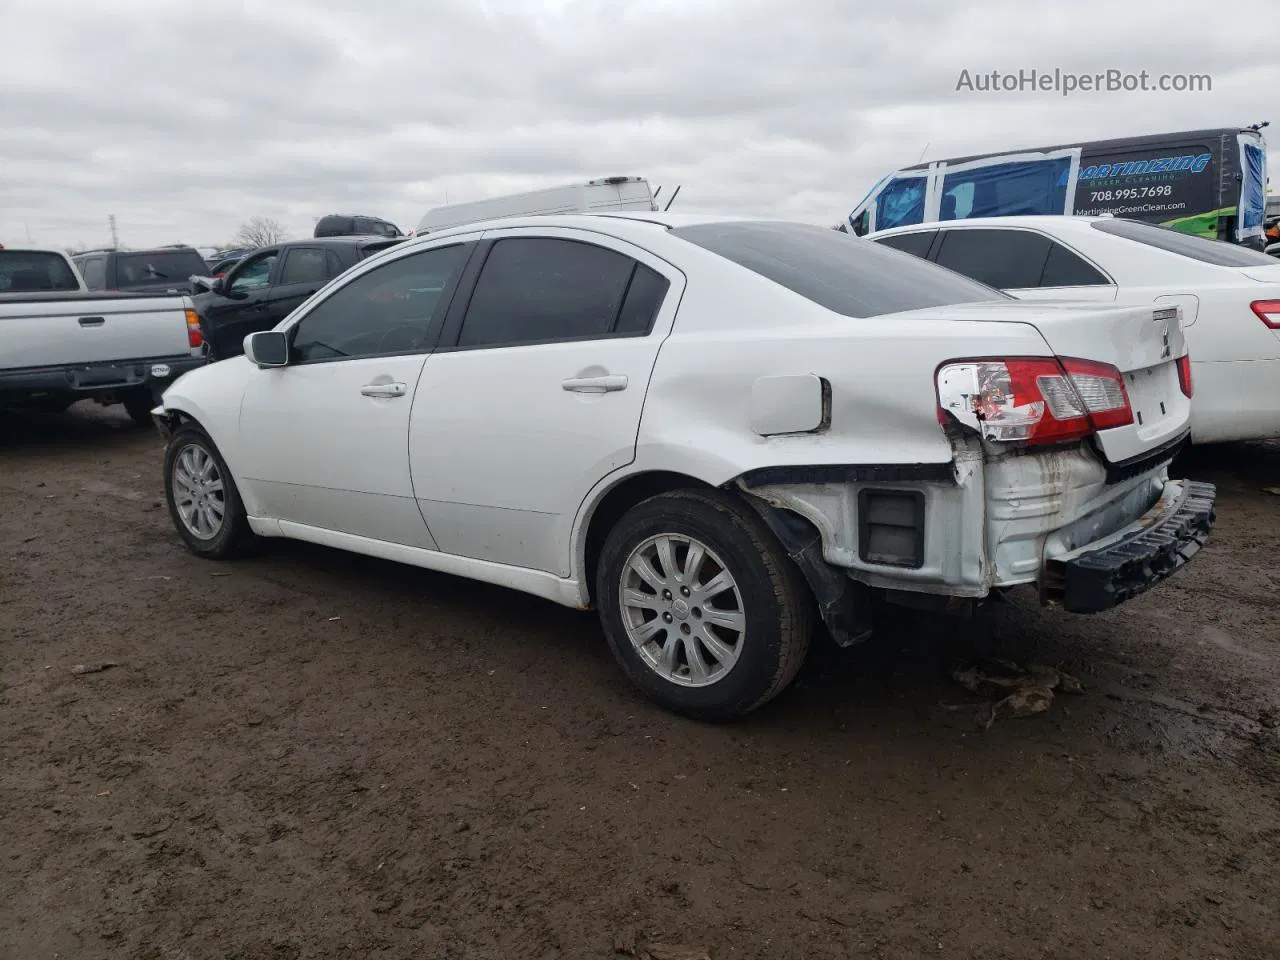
<point>195,337</point>
<point>1034,399</point>
<point>1184,375</point>
<point>1268,312</point>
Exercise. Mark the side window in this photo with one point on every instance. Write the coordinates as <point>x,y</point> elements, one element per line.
<point>253,274</point>
<point>645,293</point>
<point>385,311</point>
<point>333,264</point>
<point>1065,269</point>
<point>1005,259</point>
<point>916,244</point>
<point>94,271</point>
<point>539,289</point>
<point>901,202</point>
<point>304,265</point>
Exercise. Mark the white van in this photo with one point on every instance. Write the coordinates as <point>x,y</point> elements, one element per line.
<point>594,196</point>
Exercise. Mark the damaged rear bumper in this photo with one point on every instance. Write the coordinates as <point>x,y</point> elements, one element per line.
<point>1106,573</point>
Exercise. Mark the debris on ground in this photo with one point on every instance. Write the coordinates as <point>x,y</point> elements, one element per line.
<point>1017,691</point>
<point>80,669</point>
<point>1274,491</point>
<point>630,943</point>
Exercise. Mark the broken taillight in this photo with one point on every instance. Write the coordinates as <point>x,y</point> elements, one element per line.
<point>1268,312</point>
<point>1034,399</point>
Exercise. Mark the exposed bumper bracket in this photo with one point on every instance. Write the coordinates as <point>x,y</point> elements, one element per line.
<point>1097,580</point>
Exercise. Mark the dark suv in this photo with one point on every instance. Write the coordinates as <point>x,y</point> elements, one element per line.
<point>141,271</point>
<point>337,225</point>
<point>268,284</point>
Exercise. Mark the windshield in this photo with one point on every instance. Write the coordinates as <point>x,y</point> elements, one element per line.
<point>35,271</point>
<point>158,268</point>
<point>853,277</point>
<point>1217,252</point>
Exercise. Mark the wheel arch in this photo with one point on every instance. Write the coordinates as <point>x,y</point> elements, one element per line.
<point>611,503</point>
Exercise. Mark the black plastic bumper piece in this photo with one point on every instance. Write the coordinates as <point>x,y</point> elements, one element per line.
<point>1106,577</point>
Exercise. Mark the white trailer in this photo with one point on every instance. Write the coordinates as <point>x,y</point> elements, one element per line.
<point>595,196</point>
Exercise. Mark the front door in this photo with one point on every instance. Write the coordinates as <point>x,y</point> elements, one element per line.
<point>325,439</point>
<point>238,309</point>
<point>535,393</point>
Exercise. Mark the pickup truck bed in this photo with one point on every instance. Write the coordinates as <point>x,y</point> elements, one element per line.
<point>57,348</point>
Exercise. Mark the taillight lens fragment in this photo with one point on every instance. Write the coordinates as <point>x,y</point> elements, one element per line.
<point>1035,400</point>
<point>1268,311</point>
<point>1184,375</point>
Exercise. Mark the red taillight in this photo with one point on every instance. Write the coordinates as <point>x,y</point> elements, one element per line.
<point>1184,375</point>
<point>195,337</point>
<point>1268,312</point>
<point>1034,399</point>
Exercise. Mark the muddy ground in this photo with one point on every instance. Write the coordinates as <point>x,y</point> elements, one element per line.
<point>312,755</point>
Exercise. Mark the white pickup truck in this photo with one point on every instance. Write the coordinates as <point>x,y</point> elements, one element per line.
<point>60,343</point>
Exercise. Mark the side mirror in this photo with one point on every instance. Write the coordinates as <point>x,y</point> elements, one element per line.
<point>267,348</point>
<point>216,286</point>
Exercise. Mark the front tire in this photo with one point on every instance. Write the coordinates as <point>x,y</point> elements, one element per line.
<point>701,606</point>
<point>202,497</point>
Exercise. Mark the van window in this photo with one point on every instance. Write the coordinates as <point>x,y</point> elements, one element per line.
<point>1023,188</point>
<point>856,279</point>
<point>900,203</point>
<point>1216,252</point>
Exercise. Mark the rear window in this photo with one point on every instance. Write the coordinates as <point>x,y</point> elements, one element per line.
<point>856,278</point>
<point>157,268</point>
<point>1218,252</point>
<point>35,271</point>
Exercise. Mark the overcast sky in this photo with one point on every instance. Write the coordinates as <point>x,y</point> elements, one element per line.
<point>186,117</point>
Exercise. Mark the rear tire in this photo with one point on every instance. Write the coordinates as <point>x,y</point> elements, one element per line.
<point>701,606</point>
<point>204,503</point>
<point>138,403</point>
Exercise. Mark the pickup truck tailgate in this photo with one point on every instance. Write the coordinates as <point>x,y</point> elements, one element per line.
<point>1143,342</point>
<point>58,331</point>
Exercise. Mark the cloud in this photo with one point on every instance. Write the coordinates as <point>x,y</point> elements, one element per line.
<point>184,120</point>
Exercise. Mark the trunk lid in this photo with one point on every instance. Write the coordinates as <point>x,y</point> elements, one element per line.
<point>1142,342</point>
<point>1261,273</point>
<point>55,330</point>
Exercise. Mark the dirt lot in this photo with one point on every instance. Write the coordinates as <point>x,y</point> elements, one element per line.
<point>314,755</point>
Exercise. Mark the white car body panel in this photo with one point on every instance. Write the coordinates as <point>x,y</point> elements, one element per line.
<point>487,467</point>
<point>1235,358</point>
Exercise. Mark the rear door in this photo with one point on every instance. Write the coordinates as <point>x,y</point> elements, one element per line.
<point>535,392</point>
<point>304,270</point>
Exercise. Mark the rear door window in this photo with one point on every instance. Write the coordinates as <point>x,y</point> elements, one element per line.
<point>1007,259</point>
<point>545,289</point>
<point>1065,268</point>
<point>916,244</point>
<point>304,265</point>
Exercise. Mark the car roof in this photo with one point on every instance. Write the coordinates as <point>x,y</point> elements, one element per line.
<point>1048,222</point>
<point>9,248</point>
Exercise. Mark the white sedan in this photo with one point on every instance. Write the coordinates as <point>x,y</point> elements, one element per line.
<point>1229,295</point>
<point>712,431</point>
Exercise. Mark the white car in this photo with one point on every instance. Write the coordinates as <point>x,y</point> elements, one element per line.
<point>1229,295</point>
<point>710,430</point>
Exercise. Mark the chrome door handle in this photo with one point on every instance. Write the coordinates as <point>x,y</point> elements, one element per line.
<point>606,384</point>
<point>384,390</point>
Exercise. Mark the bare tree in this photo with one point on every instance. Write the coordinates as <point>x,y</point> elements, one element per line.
<point>260,232</point>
